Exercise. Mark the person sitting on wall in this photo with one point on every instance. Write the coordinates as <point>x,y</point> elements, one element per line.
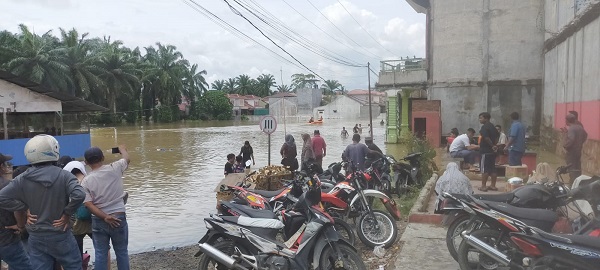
<point>461,147</point>
<point>449,140</point>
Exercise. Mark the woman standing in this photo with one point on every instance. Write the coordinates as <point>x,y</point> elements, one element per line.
<point>247,153</point>
<point>288,153</point>
<point>307,151</point>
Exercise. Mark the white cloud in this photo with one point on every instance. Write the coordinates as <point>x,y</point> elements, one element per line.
<point>143,23</point>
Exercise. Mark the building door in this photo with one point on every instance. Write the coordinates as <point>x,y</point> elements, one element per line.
<point>420,127</point>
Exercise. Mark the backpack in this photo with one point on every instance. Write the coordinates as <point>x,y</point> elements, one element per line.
<point>83,213</point>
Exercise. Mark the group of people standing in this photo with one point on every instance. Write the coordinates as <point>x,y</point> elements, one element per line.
<point>313,150</point>
<point>44,200</point>
<point>490,143</point>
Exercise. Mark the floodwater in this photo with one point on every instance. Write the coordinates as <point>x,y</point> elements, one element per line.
<point>175,168</point>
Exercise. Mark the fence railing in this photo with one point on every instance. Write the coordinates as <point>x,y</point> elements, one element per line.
<point>406,64</point>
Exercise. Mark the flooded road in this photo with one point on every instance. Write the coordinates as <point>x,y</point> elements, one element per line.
<point>175,168</point>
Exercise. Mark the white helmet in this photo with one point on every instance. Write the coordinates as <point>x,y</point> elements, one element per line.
<point>42,148</point>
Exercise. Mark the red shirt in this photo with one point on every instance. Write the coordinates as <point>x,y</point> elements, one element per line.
<point>319,145</point>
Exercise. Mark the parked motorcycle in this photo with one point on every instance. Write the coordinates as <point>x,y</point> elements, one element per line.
<point>349,199</point>
<point>248,243</point>
<point>547,196</point>
<point>407,174</point>
<point>530,248</point>
<point>379,171</point>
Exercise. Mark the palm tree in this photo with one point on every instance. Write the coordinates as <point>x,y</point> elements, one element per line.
<point>218,85</point>
<point>197,83</point>
<point>230,86</point>
<point>245,85</point>
<point>34,58</point>
<point>284,88</point>
<point>330,86</point>
<point>120,73</point>
<point>343,89</point>
<point>75,52</point>
<point>165,75</point>
<point>301,80</point>
<point>265,82</point>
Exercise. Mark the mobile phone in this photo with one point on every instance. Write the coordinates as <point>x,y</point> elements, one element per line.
<point>115,150</point>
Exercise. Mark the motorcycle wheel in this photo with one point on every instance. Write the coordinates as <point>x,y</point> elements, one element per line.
<point>226,246</point>
<point>453,238</point>
<point>350,258</point>
<point>471,258</point>
<point>378,228</point>
<point>344,229</point>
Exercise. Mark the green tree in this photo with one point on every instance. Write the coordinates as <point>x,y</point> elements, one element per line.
<point>301,80</point>
<point>284,88</point>
<point>75,52</point>
<point>218,85</point>
<point>120,74</point>
<point>34,58</point>
<point>230,86</point>
<point>245,85</point>
<point>196,83</point>
<point>330,86</point>
<point>213,105</point>
<point>265,82</point>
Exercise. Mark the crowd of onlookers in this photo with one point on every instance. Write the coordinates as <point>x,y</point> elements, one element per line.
<point>49,206</point>
<point>490,141</point>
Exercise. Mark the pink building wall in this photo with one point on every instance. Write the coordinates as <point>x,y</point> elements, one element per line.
<point>589,116</point>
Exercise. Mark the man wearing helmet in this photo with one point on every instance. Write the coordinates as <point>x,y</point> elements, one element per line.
<point>52,196</point>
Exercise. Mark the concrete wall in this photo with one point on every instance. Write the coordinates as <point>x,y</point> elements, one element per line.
<point>486,56</point>
<point>281,107</point>
<point>402,77</point>
<point>308,99</point>
<point>20,99</point>
<point>572,76</point>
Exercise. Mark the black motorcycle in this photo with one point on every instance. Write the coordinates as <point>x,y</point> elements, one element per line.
<point>531,248</point>
<point>311,240</point>
<point>407,174</point>
<point>548,196</point>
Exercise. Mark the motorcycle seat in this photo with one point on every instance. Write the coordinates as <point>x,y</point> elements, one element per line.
<point>266,193</point>
<point>265,223</point>
<point>524,214</point>
<point>502,197</point>
<point>251,212</point>
<point>583,240</point>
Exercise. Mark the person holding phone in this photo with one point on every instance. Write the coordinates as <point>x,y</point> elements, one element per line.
<point>104,197</point>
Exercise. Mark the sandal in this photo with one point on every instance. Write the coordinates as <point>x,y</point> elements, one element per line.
<point>493,188</point>
<point>484,189</point>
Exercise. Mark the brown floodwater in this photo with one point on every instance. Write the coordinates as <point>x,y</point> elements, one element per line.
<point>175,168</point>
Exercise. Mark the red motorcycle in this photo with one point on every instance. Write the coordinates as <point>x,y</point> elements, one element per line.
<point>350,199</point>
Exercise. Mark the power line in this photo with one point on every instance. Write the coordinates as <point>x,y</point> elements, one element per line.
<point>235,11</point>
<point>378,57</point>
<point>364,28</point>
<point>325,32</point>
<point>298,39</point>
<point>233,30</point>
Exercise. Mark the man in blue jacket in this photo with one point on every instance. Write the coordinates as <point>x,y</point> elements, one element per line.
<point>52,195</point>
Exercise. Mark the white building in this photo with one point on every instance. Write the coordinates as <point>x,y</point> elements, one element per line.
<point>346,107</point>
<point>283,104</point>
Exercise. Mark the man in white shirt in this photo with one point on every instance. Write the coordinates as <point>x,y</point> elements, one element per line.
<point>462,148</point>
<point>502,139</point>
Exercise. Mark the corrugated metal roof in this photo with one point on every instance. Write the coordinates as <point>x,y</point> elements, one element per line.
<point>70,104</point>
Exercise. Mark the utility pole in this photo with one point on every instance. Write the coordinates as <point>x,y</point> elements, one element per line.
<point>281,70</point>
<point>370,107</point>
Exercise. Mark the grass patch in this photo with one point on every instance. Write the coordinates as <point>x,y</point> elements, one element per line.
<point>404,204</point>
<point>408,200</point>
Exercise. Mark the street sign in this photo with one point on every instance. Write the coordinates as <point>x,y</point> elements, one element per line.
<point>268,124</point>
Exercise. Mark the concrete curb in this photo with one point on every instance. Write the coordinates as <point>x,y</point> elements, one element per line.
<point>417,214</point>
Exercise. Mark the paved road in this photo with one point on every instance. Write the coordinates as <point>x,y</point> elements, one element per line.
<point>424,249</point>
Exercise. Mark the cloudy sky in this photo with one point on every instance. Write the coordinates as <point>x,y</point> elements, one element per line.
<point>386,29</point>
